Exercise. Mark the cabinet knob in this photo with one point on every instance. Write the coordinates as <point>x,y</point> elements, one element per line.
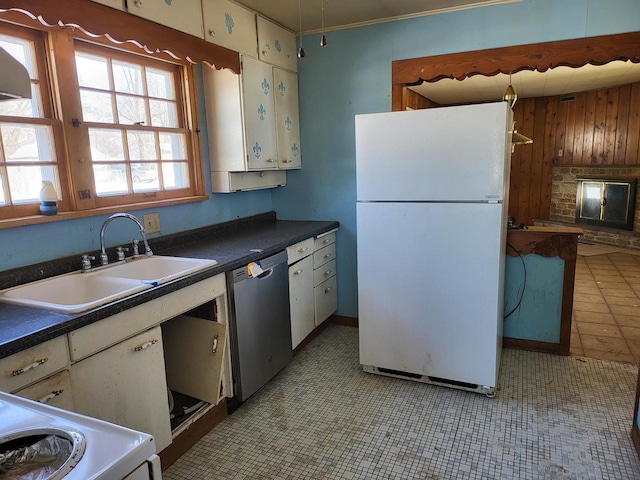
<point>328,289</point>
<point>326,240</point>
<point>328,272</point>
<point>328,255</point>
<point>303,249</point>
<point>50,396</point>
<point>287,161</point>
<point>271,160</point>
<point>138,3</point>
<point>30,367</point>
<point>212,33</point>
<point>298,272</point>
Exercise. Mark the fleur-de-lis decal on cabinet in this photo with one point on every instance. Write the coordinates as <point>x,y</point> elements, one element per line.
<point>282,88</point>
<point>262,112</point>
<point>288,123</point>
<point>228,21</point>
<point>278,46</point>
<point>295,150</point>
<point>257,150</point>
<point>265,86</point>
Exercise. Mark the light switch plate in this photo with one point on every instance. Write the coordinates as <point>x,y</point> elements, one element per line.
<point>151,222</point>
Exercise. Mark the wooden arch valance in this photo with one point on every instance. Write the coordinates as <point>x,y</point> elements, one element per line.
<point>120,28</point>
<point>538,56</point>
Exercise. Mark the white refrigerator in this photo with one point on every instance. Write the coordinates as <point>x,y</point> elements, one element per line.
<point>432,190</point>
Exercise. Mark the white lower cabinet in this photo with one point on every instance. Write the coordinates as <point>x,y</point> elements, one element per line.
<point>313,294</point>
<point>301,300</point>
<point>125,384</point>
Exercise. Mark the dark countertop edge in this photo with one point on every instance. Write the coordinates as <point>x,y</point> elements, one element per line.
<point>60,323</point>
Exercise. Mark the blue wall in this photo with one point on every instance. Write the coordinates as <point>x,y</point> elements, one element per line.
<point>27,245</point>
<point>352,75</point>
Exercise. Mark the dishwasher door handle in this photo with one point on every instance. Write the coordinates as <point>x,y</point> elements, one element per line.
<point>265,274</point>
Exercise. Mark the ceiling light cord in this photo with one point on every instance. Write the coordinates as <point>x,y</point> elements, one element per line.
<point>301,49</point>
<point>323,40</point>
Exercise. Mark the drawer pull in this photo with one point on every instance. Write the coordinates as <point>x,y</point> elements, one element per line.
<point>28,368</point>
<point>287,161</point>
<point>50,396</point>
<point>303,249</point>
<point>298,272</point>
<point>328,289</point>
<point>328,255</point>
<point>328,272</point>
<point>271,160</point>
<point>214,345</point>
<point>326,240</point>
<point>144,346</point>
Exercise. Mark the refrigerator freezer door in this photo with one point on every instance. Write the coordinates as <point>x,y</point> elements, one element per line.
<point>430,288</point>
<point>457,153</point>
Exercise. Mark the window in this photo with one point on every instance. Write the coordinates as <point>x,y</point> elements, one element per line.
<point>127,138</point>
<point>27,146</point>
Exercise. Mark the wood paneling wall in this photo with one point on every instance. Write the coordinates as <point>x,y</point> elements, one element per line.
<point>596,128</point>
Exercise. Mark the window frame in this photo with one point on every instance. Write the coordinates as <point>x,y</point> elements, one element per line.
<point>55,62</point>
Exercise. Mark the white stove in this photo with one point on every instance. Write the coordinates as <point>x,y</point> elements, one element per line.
<point>98,449</point>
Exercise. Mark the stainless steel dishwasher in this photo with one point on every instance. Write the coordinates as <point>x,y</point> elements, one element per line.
<point>260,324</point>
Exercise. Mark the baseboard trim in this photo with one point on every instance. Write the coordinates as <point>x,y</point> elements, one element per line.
<point>346,321</point>
<point>535,346</point>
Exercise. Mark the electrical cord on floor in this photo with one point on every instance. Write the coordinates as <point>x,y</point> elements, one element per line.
<point>524,282</point>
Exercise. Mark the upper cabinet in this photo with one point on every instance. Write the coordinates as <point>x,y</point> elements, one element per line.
<point>229,25</point>
<point>183,15</point>
<point>287,125</point>
<point>276,45</point>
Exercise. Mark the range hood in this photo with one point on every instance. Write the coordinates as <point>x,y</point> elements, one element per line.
<point>14,78</point>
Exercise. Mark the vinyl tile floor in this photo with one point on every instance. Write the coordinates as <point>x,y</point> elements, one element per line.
<point>606,304</point>
<point>322,417</point>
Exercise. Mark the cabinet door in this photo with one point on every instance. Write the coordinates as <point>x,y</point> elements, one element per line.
<point>301,300</point>
<point>325,297</point>
<point>126,385</point>
<point>287,118</point>
<point>183,15</point>
<point>54,391</point>
<point>194,351</point>
<point>259,114</point>
<point>230,25</point>
<point>276,45</point>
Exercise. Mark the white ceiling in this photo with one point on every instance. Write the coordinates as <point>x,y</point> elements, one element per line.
<point>527,84</point>
<point>349,13</point>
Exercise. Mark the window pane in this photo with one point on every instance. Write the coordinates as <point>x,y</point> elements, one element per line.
<point>96,107</point>
<point>110,179</point>
<point>142,145</point>
<point>23,107</point>
<point>145,176</point>
<point>92,71</point>
<point>172,146</point>
<point>3,198</point>
<point>27,143</point>
<point>160,84</point>
<point>106,145</point>
<point>131,110</point>
<point>175,175</point>
<point>25,182</point>
<point>21,50</point>
<point>127,77</point>
<point>163,114</point>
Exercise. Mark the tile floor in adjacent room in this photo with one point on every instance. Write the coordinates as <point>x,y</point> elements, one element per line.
<point>322,417</point>
<point>606,306</point>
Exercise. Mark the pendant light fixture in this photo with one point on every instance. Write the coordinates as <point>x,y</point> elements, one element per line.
<point>510,94</point>
<point>323,40</point>
<point>301,49</point>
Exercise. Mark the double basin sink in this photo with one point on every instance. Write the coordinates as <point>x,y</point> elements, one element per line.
<point>79,292</point>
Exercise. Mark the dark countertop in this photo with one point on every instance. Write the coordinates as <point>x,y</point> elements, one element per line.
<point>232,244</point>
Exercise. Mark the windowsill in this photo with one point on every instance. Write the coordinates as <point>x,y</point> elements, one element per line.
<point>38,219</point>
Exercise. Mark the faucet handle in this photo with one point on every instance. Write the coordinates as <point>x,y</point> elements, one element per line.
<point>136,251</point>
<point>120,253</point>
<point>86,262</point>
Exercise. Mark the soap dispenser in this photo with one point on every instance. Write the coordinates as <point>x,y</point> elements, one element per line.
<point>48,198</point>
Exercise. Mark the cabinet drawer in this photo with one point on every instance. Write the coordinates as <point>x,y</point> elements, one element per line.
<point>33,364</point>
<point>299,250</point>
<point>324,255</point>
<point>324,272</point>
<point>324,240</point>
<point>95,337</point>
<point>325,299</point>
<point>54,391</point>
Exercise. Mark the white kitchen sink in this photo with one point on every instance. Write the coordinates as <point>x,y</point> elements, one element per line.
<point>78,292</point>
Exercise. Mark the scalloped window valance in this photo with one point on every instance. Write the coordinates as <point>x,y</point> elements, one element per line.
<point>109,26</point>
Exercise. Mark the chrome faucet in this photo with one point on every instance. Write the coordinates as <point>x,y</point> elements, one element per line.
<point>104,259</point>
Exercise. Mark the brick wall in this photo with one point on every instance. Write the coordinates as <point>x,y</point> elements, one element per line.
<point>563,203</point>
